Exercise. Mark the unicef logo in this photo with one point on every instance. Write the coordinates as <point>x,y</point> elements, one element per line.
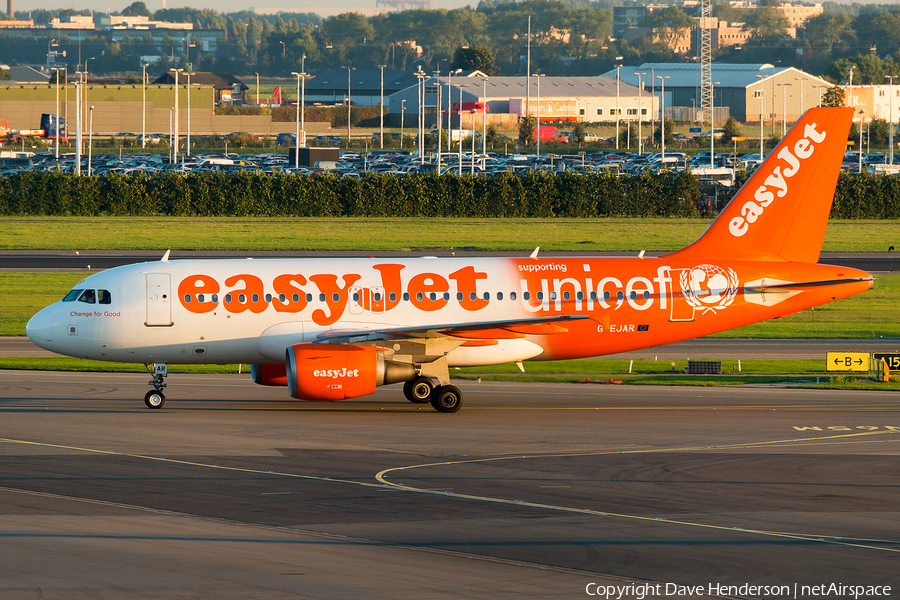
<point>708,287</point>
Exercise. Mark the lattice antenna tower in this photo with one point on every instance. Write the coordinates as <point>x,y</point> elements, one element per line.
<point>705,88</point>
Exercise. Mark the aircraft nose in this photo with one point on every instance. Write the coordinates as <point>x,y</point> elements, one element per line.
<point>39,329</point>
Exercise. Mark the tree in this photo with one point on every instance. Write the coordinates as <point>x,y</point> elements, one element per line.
<point>669,24</point>
<point>670,128</point>
<point>474,58</point>
<point>4,75</point>
<point>136,9</point>
<point>834,96</point>
<point>766,21</point>
<point>730,130</point>
<point>867,69</point>
<point>527,129</point>
<point>878,133</point>
<point>578,132</point>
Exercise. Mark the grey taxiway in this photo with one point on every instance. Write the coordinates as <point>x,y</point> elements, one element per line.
<point>530,491</point>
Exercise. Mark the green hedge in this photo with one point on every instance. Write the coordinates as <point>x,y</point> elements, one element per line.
<point>536,194</point>
<point>377,195</point>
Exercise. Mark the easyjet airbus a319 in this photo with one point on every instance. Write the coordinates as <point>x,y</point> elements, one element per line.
<point>331,329</point>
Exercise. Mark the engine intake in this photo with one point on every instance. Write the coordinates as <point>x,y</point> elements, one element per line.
<point>335,372</point>
<point>268,374</point>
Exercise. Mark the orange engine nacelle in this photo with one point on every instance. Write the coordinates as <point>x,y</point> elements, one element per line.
<point>269,374</point>
<point>334,372</point>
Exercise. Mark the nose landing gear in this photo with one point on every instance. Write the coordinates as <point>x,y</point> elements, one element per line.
<point>155,398</point>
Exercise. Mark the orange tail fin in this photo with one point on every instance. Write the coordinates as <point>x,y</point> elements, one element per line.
<point>782,210</point>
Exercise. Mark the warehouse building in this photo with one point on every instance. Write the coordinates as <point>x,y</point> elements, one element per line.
<point>747,92</point>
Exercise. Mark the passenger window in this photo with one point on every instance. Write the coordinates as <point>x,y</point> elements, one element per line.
<point>377,297</point>
<point>72,295</point>
<point>540,295</point>
<point>105,298</point>
<point>321,297</point>
<point>499,295</point>
<point>309,297</point>
<point>473,296</point>
<point>88,297</point>
<point>526,295</point>
<point>393,297</point>
<point>419,296</point>
<point>620,296</point>
<point>512,296</point>
<point>406,296</point>
<point>200,298</point>
<point>446,296</point>
<point>487,295</point>
<point>459,295</point>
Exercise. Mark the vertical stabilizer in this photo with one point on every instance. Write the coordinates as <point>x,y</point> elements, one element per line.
<point>782,210</point>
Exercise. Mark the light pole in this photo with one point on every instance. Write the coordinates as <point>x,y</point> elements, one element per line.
<point>761,147</point>
<point>784,108</point>
<point>459,156</point>
<point>78,140</point>
<point>90,137</point>
<point>284,49</point>
<point>538,76</point>
<point>348,105</point>
<point>188,147</point>
<point>381,108</point>
<point>712,125</point>
<point>144,105</point>
<point>619,66</point>
<point>652,96</point>
<point>662,117</point>
<point>56,116</point>
<point>639,116</point>
<point>450,106</point>
<point>420,88</point>
<point>175,119</point>
<point>891,118</point>
<point>801,80</point>
<point>257,89</point>
<point>402,113</point>
<point>440,122</point>
<point>484,120</point>
<point>859,168</point>
<point>472,171</point>
<point>49,45</point>
<point>303,77</point>
<point>297,135</point>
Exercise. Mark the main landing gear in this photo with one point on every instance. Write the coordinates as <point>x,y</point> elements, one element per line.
<point>444,398</point>
<point>155,398</point>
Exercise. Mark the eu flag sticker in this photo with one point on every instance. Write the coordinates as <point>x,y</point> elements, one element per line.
<point>643,328</point>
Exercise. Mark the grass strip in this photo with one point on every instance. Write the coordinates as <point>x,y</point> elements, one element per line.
<point>394,234</point>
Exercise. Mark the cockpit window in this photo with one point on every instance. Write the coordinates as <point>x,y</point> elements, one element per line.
<point>104,297</point>
<point>88,297</point>
<point>72,295</point>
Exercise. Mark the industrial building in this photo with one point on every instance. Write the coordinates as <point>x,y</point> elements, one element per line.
<point>506,99</point>
<point>745,91</point>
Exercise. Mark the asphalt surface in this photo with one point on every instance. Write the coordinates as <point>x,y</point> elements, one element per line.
<point>69,260</point>
<point>530,491</point>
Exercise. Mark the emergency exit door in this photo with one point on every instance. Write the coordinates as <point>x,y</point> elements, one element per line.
<point>159,300</point>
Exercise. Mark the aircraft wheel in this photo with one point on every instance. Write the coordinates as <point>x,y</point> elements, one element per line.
<point>447,399</point>
<point>418,391</point>
<point>154,399</point>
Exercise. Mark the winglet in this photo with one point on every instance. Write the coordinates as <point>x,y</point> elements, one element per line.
<point>535,253</point>
<point>781,212</point>
<point>165,257</point>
